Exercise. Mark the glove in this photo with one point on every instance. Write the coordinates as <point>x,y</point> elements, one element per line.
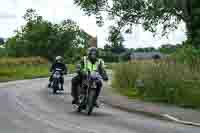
<point>105,78</point>
<point>65,73</point>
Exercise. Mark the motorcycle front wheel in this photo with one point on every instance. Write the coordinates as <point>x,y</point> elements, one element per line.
<point>90,101</point>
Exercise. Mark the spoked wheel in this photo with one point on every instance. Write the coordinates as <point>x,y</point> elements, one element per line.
<point>82,103</point>
<point>54,91</point>
<point>55,86</point>
<point>79,109</point>
<point>90,102</point>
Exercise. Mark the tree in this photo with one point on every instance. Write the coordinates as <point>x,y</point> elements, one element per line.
<point>116,40</point>
<point>92,7</point>
<point>140,50</point>
<point>169,49</point>
<point>150,13</point>
<point>82,39</point>
<point>93,42</point>
<point>1,41</point>
<point>39,37</point>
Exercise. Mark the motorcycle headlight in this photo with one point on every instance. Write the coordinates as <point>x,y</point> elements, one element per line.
<point>56,75</point>
<point>95,76</point>
<point>93,85</point>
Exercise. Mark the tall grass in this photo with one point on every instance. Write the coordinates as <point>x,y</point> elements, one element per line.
<point>18,72</point>
<point>25,68</point>
<point>110,65</point>
<point>23,60</point>
<point>163,81</point>
<point>71,68</point>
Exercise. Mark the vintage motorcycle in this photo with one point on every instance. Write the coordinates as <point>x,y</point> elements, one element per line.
<point>87,92</point>
<point>56,85</point>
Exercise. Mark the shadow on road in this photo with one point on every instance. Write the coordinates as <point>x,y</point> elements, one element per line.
<point>96,113</point>
<point>59,93</point>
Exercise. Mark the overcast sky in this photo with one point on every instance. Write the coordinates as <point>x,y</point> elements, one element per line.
<point>11,13</point>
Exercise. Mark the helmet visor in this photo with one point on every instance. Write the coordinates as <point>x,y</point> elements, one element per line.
<point>93,54</point>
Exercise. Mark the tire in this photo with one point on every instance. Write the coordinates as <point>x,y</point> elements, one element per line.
<point>81,105</point>
<point>55,85</point>
<point>54,91</point>
<point>90,102</point>
<point>79,109</point>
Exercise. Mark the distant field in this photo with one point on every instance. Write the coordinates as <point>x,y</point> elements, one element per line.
<point>25,68</point>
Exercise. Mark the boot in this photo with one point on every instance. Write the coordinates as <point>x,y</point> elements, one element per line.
<point>62,89</point>
<point>75,101</point>
<point>49,85</point>
<point>96,104</point>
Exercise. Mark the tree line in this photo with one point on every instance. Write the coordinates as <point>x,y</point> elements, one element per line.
<point>39,37</point>
<point>153,15</point>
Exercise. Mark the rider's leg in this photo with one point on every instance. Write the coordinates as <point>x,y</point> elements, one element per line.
<point>99,86</point>
<point>62,82</point>
<point>50,80</point>
<point>74,89</point>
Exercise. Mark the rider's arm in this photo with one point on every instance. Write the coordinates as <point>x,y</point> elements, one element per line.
<point>52,68</point>
<point>65,69</point>
<point>102,70</point>
<point>82,65</point>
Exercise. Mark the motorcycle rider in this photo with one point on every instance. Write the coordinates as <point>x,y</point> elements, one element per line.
<point>93,63</point>
<point>58,65</point>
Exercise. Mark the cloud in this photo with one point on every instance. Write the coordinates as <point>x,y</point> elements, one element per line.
<point>11,13</point>
<point>141,38</point>
<point>55,11</point>
<point>5,15</point>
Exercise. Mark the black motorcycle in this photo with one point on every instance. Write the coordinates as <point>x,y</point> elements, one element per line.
<point>87,92</point>
<point>56,85</point>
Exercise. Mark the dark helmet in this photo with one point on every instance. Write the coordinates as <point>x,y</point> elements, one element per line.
<point>93,52</point>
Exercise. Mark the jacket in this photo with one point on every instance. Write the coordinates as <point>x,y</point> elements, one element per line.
<point>98,65</point>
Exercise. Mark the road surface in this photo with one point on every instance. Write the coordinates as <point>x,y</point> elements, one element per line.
<point>29,107</point>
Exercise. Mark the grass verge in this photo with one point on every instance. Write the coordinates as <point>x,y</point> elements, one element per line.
<point>162,81</point>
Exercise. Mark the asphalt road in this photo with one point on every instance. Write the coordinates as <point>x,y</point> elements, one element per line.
<point>29,107</point>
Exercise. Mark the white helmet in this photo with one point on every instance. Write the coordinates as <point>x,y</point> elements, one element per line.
<point>59,58</point>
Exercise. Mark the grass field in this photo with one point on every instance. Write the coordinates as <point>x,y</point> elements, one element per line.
<point>163,81</point>
<point>18,72</point>
<point>25,68</point>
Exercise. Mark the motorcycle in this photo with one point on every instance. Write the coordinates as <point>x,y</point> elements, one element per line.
<point>57,75</point>
<point>87,92</point>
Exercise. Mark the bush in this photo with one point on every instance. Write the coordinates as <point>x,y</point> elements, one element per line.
<point>71,68</point>
<point>110,65</point>
<point>164,81</point>
<point>110,58</point>
<point>2,52</point>
<point>188,55</point>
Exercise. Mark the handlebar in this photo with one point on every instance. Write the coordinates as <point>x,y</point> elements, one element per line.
<point>62,72</point>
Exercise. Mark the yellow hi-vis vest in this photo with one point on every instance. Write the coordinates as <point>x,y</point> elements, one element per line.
<point>92,67</point>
